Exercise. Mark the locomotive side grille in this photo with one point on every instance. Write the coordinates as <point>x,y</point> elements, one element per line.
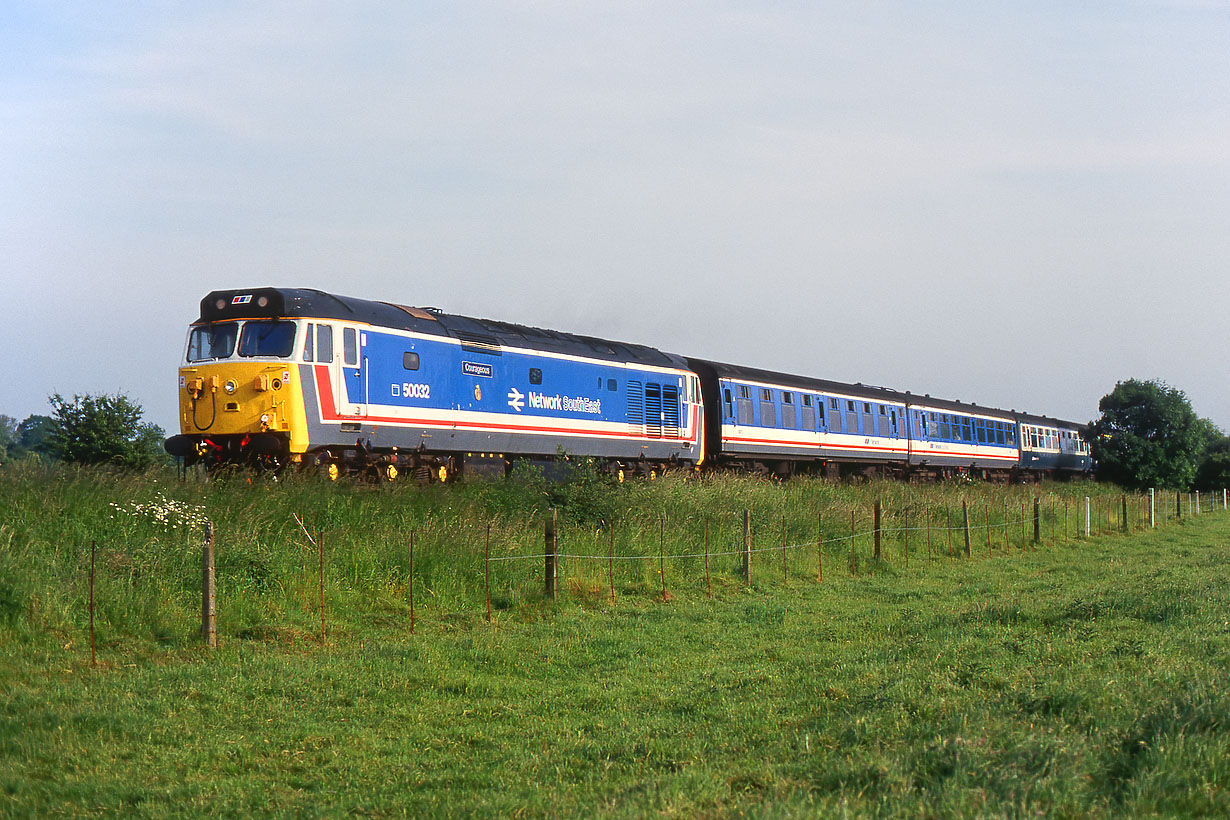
<point>636,407</point>
<point>670,411</point>
<point>653,411</point>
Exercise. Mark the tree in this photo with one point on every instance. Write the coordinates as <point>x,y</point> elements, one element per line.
<point>103,430</point>
<point>1214,471</point>
<point>35,434</point>
<point>1148,436</point>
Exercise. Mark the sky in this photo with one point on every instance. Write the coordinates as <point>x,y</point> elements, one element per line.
<point>1017,204</point>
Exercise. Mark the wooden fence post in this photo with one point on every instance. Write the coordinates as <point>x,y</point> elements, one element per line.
<point>487,568</point>
<point>784,579</point>
<point>708,582</point>
<point>905,528</point>
<point>986,517</point>
<point>1152,509</point>
<point>853,555</point>
<point>1007,531</point>
<point>1087,516</point>
<point>662,553</point>
<point>611,565</point>
<point>747,546</point>
<point>1125,515</point>
<point>819,542</point>
<point>550,570</point>
<point>1197,507</point>
<point>93,657</point>
<point>965,518</point>
<point>878,514</point>
<point>320,546</point>
<point>209,601</point>
<point>1037,520</point>
<point>411,584</point>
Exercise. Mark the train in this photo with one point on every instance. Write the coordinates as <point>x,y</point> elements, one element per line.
<point>278,377</point>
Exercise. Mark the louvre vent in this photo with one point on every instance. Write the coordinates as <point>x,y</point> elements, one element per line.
<point>670,411</point>
<point>653,410</point>
<point>636,408</point>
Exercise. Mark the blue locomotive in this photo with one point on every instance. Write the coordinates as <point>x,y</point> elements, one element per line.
<point>275,376</point>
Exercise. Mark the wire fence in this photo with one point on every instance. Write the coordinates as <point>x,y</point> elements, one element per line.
<point>537,559</point>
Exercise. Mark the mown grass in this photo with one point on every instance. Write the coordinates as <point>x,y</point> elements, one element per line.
<point>1084,678</point>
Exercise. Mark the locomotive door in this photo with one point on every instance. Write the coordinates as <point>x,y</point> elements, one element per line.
<point>350,375</point>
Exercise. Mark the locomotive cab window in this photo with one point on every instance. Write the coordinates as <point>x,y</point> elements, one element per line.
<point>350,346</point>
<point>212,341</point>
<point>309,339</point>
<point>267,339</point>
<point>324,344</point>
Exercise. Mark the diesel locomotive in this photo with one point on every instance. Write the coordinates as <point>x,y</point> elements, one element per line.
<point>273,377</point>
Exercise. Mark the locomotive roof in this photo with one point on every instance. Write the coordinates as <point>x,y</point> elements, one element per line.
<point>308,303</point>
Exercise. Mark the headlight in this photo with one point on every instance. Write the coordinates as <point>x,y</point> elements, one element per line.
<point>264,418</point>
<point>230,386</point>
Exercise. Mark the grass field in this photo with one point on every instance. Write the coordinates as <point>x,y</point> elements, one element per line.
<point>1075,678</point>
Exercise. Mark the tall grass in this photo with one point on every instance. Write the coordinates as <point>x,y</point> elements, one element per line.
<point>147,532</point>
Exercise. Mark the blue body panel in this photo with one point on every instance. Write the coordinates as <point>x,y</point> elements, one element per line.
<point>500,400</point>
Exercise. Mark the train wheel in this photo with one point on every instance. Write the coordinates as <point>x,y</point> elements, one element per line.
<point>442,474</point>
<point>331,471</point>
<point>620,475</point>
<point>389,472</point>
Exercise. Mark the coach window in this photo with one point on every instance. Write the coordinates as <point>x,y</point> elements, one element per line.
<point>822,422</point>
<point>350,346</point>
<point>945,427</point>
<point>744,403</point>
<point>410,360</point>
<point>788,414</point>
<point>809,414</point>
<point>535,375</point>
<point>768,410</point>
